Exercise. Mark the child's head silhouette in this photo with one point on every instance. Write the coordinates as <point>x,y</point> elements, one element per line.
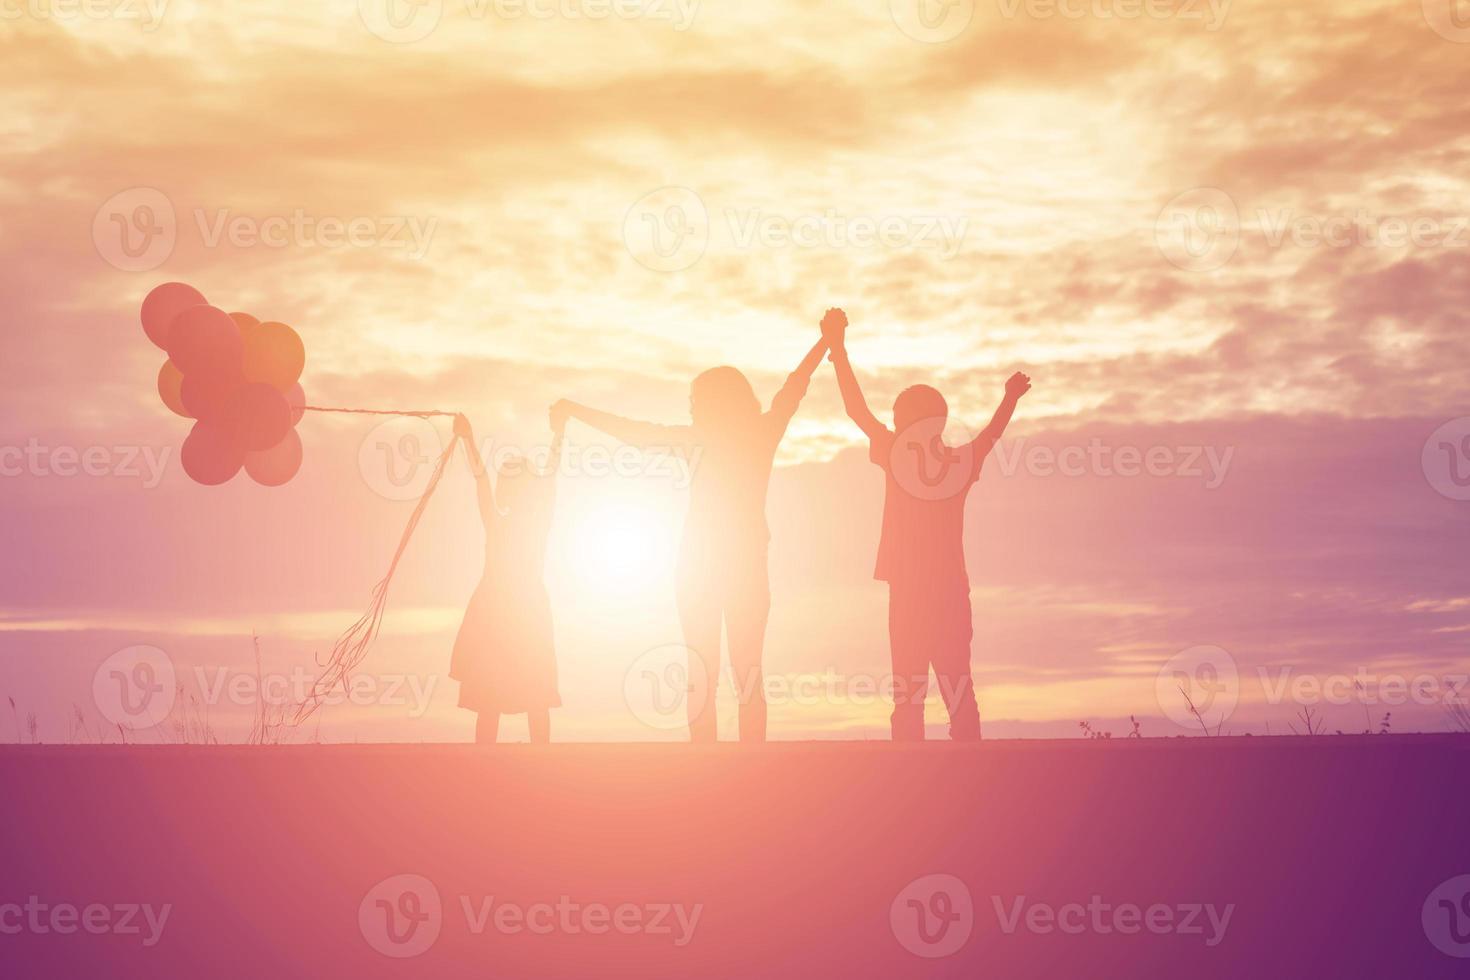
<point>722,398</point>
<point>916,403</point>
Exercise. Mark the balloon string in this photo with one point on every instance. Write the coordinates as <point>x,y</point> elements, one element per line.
<point>352,646</point>
<point>379,411</point>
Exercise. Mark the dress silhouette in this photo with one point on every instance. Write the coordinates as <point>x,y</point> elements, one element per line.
<point>722,570</point>
<point>504,655</point>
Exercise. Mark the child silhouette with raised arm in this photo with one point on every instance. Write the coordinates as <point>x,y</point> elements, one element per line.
<point>921,552</point>
<point>722,573</point>
<point>504,656</point>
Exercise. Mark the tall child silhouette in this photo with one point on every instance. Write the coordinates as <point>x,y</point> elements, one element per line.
<point>722,574</point>
<point>504,656</point>
<point>921,553</point>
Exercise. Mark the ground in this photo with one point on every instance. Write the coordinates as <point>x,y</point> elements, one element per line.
<point>1227,857</point>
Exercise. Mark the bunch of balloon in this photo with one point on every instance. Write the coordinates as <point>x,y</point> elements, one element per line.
<point>237,377</point>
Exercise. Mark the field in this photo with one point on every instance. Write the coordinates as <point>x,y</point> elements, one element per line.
<point>1226,857</point>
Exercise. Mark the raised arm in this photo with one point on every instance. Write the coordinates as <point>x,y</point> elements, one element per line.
<point>1016,386</point>
<point>644,435</point>
<point>788,399</point>
<point>558,432</point>
<point>834,327</point>
<point>486,492</point>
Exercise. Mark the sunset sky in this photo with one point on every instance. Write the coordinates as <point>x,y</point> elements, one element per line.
<point>1229,240</point>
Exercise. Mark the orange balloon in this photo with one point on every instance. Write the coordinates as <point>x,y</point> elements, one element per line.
<point>274,355</point>
<point>277,465</point>
<point>170,389</point>
<point>245,322</point>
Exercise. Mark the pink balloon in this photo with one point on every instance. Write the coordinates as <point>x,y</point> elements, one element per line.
<point>259,416</point>
<point>164,303</point>
<point>205,339</point>
<point>210,395</point>
<point>296,398</point>
<point>277,465</point>
<point>209,455</point>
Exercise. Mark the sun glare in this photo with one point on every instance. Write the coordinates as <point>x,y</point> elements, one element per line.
<point>613,545</point>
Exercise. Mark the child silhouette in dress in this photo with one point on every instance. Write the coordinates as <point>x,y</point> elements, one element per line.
<point>504,656</point>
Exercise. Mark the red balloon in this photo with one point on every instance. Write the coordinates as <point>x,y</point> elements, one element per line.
<point>205,339</point>
<point>164,303</point>
<point>277,465</point>
<point>296,398</point>
<point>170,389</point>
<point>210,456</point>
<point>274,354</point>
<point>260,416</point>
<point>210,394</point>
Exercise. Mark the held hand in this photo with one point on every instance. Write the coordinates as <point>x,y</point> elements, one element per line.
<point>1017,385</point>
<point>462,428</point>
<point>834,327</point>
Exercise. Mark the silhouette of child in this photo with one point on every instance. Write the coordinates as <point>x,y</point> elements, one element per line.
<point>722,572</point>
<point>504,656</point>
<point>921,552</point>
